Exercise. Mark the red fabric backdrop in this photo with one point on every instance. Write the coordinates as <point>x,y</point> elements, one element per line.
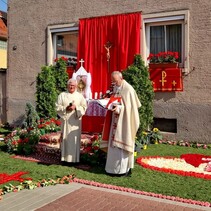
<point>123,31</point>
<point>166,79</point>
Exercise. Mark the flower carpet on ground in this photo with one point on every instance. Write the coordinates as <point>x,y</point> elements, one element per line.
<point>48,149</point>
<point>29,184</point>
<point>4,177</point>
<point>131,190</point>
<point>39,158</point>
<point>179,166</point>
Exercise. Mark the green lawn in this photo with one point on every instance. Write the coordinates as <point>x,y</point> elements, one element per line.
<point>141,179</point>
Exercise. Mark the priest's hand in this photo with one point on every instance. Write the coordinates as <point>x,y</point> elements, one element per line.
<point>114,108</point>
<point>71,107</point>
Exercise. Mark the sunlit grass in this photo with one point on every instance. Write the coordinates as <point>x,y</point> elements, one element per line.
<point>141,179</point>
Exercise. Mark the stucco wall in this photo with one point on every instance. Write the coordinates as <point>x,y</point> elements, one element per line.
<point>28,20</point>
<point>2,96</point>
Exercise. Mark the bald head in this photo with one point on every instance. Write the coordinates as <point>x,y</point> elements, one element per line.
<point>118,73</point>
<point>117,78</point>
<point>72,81</point>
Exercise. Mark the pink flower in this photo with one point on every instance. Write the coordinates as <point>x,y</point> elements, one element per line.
<point>204,146</point>
<point>198,145</point>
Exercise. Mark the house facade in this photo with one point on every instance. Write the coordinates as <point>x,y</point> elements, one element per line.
<point>41,30</point>
<point>3,64</point>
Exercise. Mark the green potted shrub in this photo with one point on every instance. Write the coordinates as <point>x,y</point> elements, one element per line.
<point>138,76</point>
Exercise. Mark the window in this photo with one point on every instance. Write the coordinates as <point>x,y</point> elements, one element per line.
<point>3,45</point>
<point>65,44</point>
<point>165,125</point>
<point>166,38</point>
<point>62,41</point>
<point>167,32</point>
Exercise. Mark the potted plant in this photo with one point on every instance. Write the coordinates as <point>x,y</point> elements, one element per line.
<point>28,141</point>
<point>138,75</point>
<point>143,141</point>
<point>155,136</point>
<point>22,141</point>
<point>162,59</point>
<point>138,146</point>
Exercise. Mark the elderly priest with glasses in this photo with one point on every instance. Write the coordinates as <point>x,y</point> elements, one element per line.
<point>120,128</point>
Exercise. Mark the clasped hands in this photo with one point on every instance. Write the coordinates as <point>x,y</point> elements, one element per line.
<point>71,107</point>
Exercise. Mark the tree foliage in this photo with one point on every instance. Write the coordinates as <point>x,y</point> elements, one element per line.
<point>46,93</point>
<point>138,76</point>
<point>60,74</point>
<point>31,116</point>
<point>51,81</point>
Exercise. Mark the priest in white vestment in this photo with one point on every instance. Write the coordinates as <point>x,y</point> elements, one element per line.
<point>123,128</point>
<point>71,106</point>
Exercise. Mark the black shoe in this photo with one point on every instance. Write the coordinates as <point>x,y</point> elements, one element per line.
<point>64,163</point>
<point>70,164</point>
<point>73,164</point>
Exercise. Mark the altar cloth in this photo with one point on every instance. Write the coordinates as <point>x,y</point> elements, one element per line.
<point>93,120</point>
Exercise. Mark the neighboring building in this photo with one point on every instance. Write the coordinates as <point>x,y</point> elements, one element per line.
<point>3,64</point>
<point>3,40</point>
<point>42,30</point>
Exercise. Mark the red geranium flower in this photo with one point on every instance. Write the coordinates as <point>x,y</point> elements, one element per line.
<point>164,57</point>
<point>41,126</point>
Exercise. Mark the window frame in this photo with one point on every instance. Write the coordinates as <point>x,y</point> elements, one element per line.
<point>168,18</point>
<point>165,23</point>
<point>51,41</point>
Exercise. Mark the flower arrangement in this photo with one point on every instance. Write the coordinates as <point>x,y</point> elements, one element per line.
<point>174,165</point>
<point>72,178</point>
<point>163,57</point>
<point>184,144</point>
<point>61,59</point>
<point>145,138</point>
<point>91,152</point>
<point>155,135</point>
<point>130,190</point>
<point>51,138</point>
<point>22,141</point>
<point>12,140</point>
<point>148,137</point>
<point>142,142</point>
<point>49,126</point>
<point>29,184</point>
<point>69,61</point>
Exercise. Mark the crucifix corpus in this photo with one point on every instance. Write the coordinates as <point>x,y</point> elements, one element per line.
<point>107,46</point>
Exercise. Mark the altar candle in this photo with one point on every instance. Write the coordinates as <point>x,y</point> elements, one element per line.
<point>95,95</point>
<point>101,95</point>
<point>90,95</point>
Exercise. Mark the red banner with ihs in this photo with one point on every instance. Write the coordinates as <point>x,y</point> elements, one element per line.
<point>166,79</point>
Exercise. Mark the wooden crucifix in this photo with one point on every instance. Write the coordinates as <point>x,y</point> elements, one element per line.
<point>107,46</point>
